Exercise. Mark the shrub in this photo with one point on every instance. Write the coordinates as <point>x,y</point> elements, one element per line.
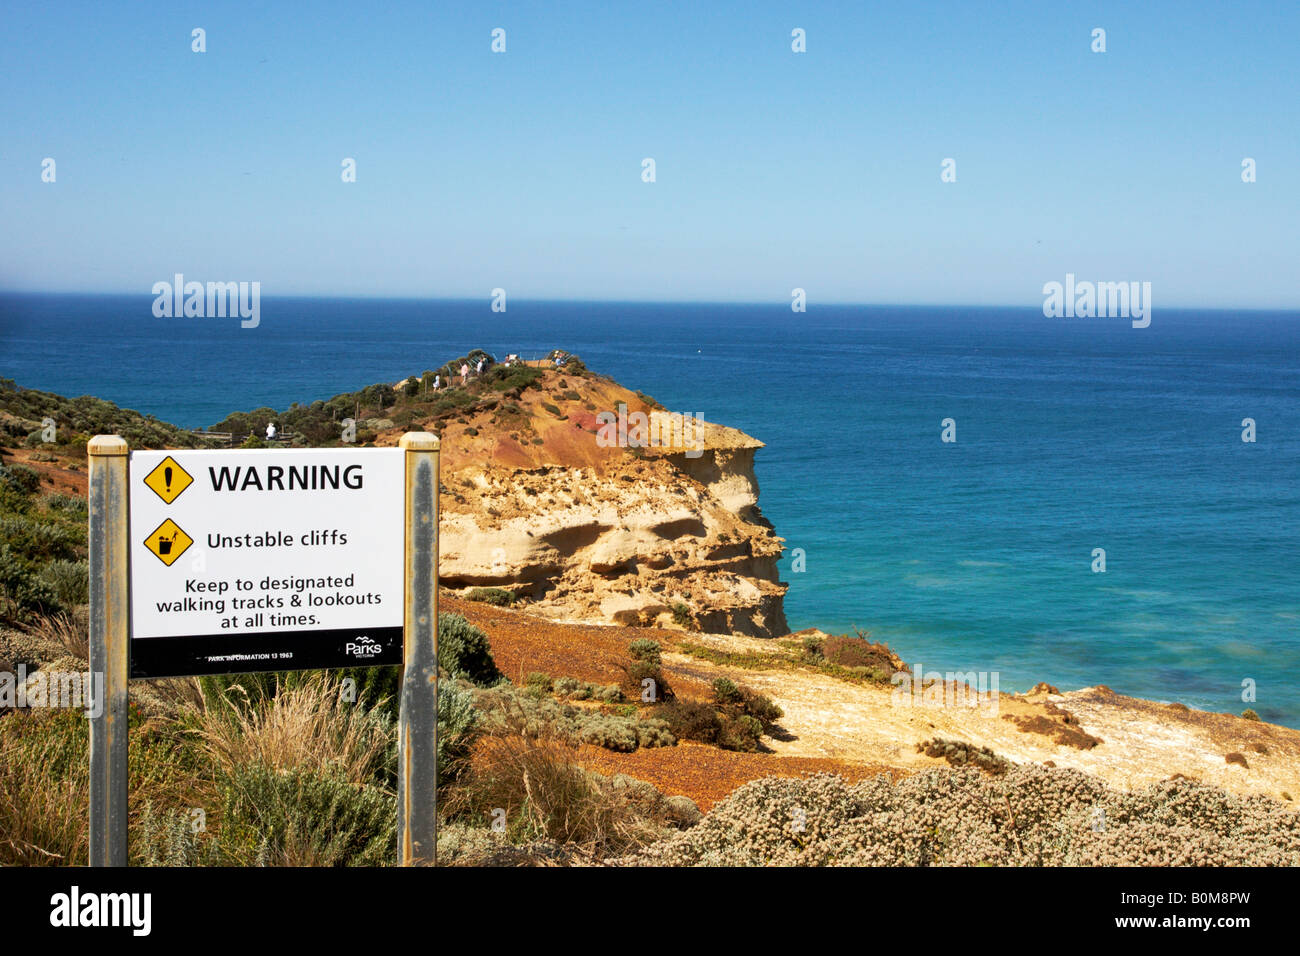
<point>742,733</point>
<point>23,479</point>
<point>538,684</point>
<point>736,701</point>
<point>463,651</point>
<point>1250,714</point>
<point>68,581</point>
<point>726,693</point>
<point>690,720</point>
<point>305,818</point>
<point>167,837</point>
<point>570,688</point>
<point>682,615</point>
<point>544,796</point>
<point>635,686</point>
<point>1031,816</point>
<point>498,597</point>
<point>644,649</point>
<point>21,589</point>
<point>76,509</point>
<point>509,710</point>
<point>859,656</point>
<point>458,728</point>
<point>959,753</point>
<point>40,540</point>
<point>45,782</point>
<point>504,379</point>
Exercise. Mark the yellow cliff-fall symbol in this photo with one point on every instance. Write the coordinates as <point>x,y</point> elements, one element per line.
<point>168,480</point>
<point>168,542</point>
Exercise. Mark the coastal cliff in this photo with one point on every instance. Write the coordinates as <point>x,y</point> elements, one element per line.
<point>551,491</point>
<point>543,496</point>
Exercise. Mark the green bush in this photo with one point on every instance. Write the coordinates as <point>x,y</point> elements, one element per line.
<point>458,727</point>
<point>168,837</point>
<point>495,596</point>
<point>21,589</point>
<point>570,688</point>
<point>735,720</point>
<point>726,693</point>
<point>68,581</point>
<point>690,720</point>
<point>463,651</point>
<point>39,538</point>
<point>644,649</point>
<point>741,733</point>
<point>538,684</point>
<point>303,818</point>
<point>26,481</point>
<point>73,508</point>
<point>735,700</point>
<point>638,672</point>
<point>514,712</point>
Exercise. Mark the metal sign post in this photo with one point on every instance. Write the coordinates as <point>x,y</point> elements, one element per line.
<point>110,612</point>
<point>417,783</point>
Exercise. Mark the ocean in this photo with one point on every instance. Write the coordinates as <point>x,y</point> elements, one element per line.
<point>974,555</point>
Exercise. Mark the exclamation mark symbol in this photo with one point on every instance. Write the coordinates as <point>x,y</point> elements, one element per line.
<point>167,477</point>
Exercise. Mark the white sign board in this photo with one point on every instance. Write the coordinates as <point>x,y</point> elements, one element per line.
<point>266,560</point>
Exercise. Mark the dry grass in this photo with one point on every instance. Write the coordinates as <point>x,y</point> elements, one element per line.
<point>546,796</point>
<point>43,814</point>
<point>303,727</point>
<point>68,631</point>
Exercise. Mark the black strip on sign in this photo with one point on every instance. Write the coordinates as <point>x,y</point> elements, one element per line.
<point>194,656</point>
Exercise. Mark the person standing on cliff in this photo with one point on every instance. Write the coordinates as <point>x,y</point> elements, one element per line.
<point>464,373</point>
<point>437,381</point>
<point>478,369</point>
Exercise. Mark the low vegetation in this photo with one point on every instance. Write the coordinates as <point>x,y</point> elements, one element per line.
<point>1029,816</point>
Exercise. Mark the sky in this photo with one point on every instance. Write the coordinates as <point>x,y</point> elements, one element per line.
<point>774,170</point>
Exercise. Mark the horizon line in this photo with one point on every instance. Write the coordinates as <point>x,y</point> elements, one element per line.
<point>838,303</point>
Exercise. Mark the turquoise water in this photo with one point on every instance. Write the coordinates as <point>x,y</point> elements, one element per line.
<point>1071,435</point>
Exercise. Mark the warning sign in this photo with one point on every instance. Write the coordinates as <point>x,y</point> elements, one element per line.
<point>168,542</point>
<point>256,560</point>
<point>168,480</point>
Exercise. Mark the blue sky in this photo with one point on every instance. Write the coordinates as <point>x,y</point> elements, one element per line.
<point>774,169</point>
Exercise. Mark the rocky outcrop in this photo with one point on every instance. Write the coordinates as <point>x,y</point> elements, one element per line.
<point>538,500</point>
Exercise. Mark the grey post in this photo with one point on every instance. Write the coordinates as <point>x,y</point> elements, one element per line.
<point>417,741</point>
<point>109,624</point>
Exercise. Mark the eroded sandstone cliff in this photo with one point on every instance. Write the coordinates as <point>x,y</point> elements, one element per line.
<point>536,499</point>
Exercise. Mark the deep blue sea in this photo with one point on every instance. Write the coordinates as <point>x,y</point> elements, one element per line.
<point>1072,434</point>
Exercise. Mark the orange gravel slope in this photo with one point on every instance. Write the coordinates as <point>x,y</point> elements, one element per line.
<point>523,644</point>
